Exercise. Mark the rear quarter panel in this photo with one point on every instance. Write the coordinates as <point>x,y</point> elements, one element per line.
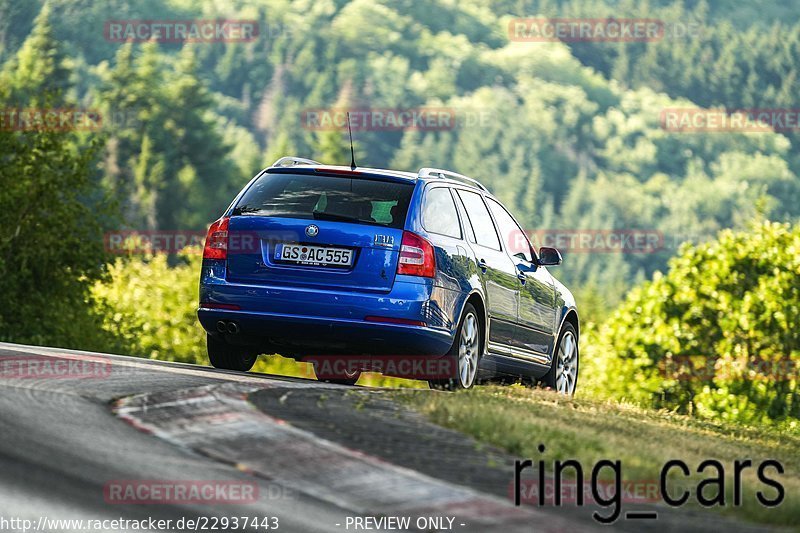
<point>565,303</point>
<point>456,271</point>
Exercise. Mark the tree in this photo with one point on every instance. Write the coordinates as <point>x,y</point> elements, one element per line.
<point>715,336</point>
<point>37,74</point>
<point>197,153</point>
<point>51,249</point>
<point>52,209</point>
<point>170,163</point>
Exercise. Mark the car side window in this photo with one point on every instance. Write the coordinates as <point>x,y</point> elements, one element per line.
<point>515,238</point>
<point>467,224</point>
<point>439,214</point>
<point>478,214</point>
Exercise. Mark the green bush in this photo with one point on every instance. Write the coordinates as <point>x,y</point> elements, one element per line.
<point>51,245</point>
<point>717,336</point>
<point>149,307</point>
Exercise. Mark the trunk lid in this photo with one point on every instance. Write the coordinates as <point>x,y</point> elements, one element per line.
<point>352,217</point>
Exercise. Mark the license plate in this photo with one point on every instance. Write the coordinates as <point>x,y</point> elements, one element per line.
<point>303,254</point>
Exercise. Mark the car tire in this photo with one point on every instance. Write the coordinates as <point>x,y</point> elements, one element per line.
<point>228,356</point>
<point>563,374</point>
<point>465,353</point>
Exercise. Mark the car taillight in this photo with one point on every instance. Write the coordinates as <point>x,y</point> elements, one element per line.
<point>416,256</point>
<point>217,240</point>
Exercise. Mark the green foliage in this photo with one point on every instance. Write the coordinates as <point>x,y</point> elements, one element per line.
<point>51,247</point>
<point>168,159</point>
<point>37,74</point>
<point>736,56</point>
<point>52,211</point>
<point>538,122</point>
<point>716,336</point>
<point>150,307</point>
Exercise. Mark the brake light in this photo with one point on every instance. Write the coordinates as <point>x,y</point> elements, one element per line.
<point>343,172</point>
<point>217,240</point>
<point>416,256</point>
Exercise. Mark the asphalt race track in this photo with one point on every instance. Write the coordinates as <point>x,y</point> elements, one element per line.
<point>75,427</point>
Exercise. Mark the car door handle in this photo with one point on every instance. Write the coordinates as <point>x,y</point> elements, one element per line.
<point>482,265</point>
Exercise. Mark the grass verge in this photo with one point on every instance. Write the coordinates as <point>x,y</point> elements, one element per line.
<point>283,366</point>
<point>519,419</point>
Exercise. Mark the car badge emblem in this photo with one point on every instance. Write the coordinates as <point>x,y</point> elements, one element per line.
<point>384,240</point>
<point>312,230</point>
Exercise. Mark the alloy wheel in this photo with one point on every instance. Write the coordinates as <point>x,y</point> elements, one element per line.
<point>468,350</point>
<point>567,364</point>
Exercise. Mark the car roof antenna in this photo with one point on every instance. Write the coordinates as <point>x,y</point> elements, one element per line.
<point>352,152</point>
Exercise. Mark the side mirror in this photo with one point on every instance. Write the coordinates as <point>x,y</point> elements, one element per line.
<point>549,256</point>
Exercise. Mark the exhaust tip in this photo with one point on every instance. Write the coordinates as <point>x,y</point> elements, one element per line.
<point>221,327</point>
<point>233,328</point>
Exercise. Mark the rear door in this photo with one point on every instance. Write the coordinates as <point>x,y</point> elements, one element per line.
<point>497,269</point>
<point>327,231</point>
<point>534,336</point>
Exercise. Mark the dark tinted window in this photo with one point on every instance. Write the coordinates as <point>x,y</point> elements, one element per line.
<point>319,197</point>
<point>480,219</point>
<point>439,214</point>
<point>513,236</point>
<point>467,225</point>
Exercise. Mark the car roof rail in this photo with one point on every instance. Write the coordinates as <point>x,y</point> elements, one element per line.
<point>447,174</point>
<point>290,161</point>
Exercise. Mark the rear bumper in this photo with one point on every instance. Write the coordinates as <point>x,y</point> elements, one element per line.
<point>313,321</point>
<point>307,335</point>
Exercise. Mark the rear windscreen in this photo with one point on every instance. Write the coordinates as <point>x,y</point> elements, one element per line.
<point>316,197</point>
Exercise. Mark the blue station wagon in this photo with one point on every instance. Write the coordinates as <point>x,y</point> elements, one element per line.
<point>314,260</point>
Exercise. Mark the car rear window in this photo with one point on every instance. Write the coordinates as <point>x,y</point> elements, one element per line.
<point>319,197</point>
